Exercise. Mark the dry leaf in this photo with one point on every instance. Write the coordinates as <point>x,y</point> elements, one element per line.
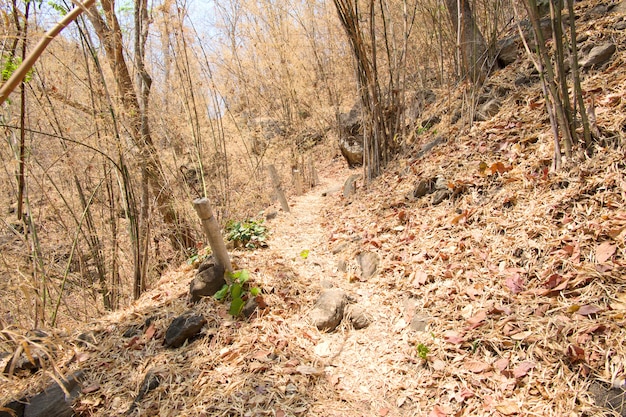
<point>604,251</point>
<point>522,369</point>
<point>453,337</point>
<point>438,412</point>
<point>501,364</point>
<point>438,365</point>
<point>521,335</point>
<point>476,367</point>
<point>588,310</point>
<point>465,394</point>
<point>508,408</point>
<point>150,331</point>
<point>514,282</point>
<point>477,320</point>
<point>575,353</point>
<point>309,370</point>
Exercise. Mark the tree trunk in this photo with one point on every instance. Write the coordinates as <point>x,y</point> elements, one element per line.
<point>472,45</point>
<point>110,34</point>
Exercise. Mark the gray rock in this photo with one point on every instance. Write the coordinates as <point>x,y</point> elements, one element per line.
<point>351,136</point>
<point>368,261</point>
<point>351,148</point>
<point>422,188</point>
<point>441,183</point>
<point>418,323</point>
<point>52,401</point>
<point>598,55</point>
<point>609,398</point>
<point>13,364</point>
<point>440,195</point>
<point>342,265</point>
<point>357,316</point>
<point>329,309</point>
<point>208,280</point>
<point>508,51</point>
<point>182,328</point>
<point>250,307</point>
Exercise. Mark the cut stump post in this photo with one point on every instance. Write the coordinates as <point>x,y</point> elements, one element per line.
<point>298,181</point>
<point>212,232</point>
<point>278,188</point>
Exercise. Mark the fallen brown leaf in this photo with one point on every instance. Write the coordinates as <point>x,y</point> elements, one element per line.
<point>522,369</point>
<point>476,366</point>
<point>604,251</point>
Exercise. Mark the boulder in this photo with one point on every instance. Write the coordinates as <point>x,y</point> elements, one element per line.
<point>53,401</point>
<point>598,55</point>
<point>329,309</point>
<point>208,280</point>
<point>351,148</point>
<point>182,328</point>
<point>351,136</point>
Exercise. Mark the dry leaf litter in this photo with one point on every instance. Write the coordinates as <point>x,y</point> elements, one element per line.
<point>508,298</point>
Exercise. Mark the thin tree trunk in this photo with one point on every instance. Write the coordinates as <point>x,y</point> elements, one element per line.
<point>474,51</point>
<point>110,34</point>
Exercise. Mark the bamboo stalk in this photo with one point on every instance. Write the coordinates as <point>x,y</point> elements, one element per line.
<point>212,231</point>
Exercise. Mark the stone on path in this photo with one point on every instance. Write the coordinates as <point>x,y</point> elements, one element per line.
<point>182,328</point>
<point>329,309</point>
<point>358,316</point>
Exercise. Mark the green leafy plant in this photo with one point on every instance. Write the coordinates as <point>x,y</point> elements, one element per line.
<point>237,291</point>
<point>10,65</point>
<point>250,234</point>
<point>422,351</point>
<point>304,254</point>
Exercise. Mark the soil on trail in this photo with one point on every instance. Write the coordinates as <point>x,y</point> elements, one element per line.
<point>359,367</point>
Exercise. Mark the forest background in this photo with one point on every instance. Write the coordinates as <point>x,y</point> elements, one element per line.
<point>140,107</point>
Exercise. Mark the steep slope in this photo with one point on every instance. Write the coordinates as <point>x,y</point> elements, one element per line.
<point>506,297</point>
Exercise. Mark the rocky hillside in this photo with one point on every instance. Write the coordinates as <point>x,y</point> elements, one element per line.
<point>468,280</point>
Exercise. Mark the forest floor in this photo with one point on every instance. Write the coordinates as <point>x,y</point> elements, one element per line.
<point>500,287</point>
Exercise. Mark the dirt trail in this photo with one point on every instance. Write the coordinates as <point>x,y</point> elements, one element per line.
<point>363,369</point>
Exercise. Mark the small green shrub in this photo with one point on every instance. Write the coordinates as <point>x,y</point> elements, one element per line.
<point>250,234</point>
<point>422,351</point>
<point>238,292</point>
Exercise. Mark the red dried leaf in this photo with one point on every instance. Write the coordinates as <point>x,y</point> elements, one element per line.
<point>575,353</point>
<point>465,394</point>
<point>597,328</point>
<point>553,281</point>
<point>453,337</point>
<point>604,251</point>
<point>477,320</point>
<point>501,310</point>
<point>420,278</point>
<point>501,364</point>
<point>261,304</point>
<point>522,369</point>
<point>588,310</point>
<point>515,282</point>
<point>150,331</point>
